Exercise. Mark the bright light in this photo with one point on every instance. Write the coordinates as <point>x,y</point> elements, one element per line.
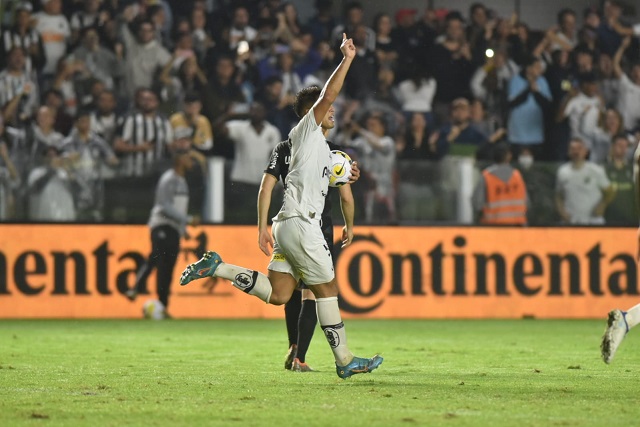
<point>489,53</point>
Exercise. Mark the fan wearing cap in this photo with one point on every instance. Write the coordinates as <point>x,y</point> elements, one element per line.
<point>191,118</point>
<point>168,220</point>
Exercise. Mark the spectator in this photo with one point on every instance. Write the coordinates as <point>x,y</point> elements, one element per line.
<point>415,144</point>
<point>18,92</point>
<point>489,83</point>
<point>278,105</point>
<point>104,120</point>
<point>144,55</point>
<point>608,36</point>
<point>240,29</point>
<point>609,84</point>
<point>66,81</point>
<point>609,126</point>
<point>54,99</point>
<point>21,34</point>
<point>412,41</point>
<point>322,23</point>
<point>288,24</point>
<point>54,29</point>
<point>145,137</point>
<point>354,14</point>
<point>386,49</point>
<point>629,99</point>
<point>451,64</point>
<point>565,36</point>
<point>529,97</point>
<point>51,189</point>
<point>480,31</point>
<point>191,118</point>
<point>254,141</point>
<point>583,108</point>
<point>88,17</point>
<point>377,156</point>
<point>583,190</point>
<point>500,197</point>
<point>43,135</point>
<point>87,154</point>
<point>622,210</point>
<point>202,38</point>
<point>417,92</point>
<point>361,80</point>
<point>9,178</point>
<point>459,136</point>
<point>306,58</point>
<point>383,99</point>
<point>488,124</point>
<point>189,78</point>
<point>100,62</point>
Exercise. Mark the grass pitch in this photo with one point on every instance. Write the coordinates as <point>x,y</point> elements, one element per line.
<point>230,373</point>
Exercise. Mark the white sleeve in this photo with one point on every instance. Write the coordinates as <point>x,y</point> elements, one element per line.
<point>234,128</point>
<point>603,180</point>
<point>636,30</point>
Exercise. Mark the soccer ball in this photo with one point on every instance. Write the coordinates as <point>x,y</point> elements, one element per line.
<point>340,168</point>
<point>153,309</point>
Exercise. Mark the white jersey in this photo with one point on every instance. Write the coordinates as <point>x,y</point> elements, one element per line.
<point>308,180</point>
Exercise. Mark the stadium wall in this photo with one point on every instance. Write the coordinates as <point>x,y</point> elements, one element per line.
<point>81,271</point>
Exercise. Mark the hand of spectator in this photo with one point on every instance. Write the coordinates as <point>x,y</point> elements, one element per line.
<point>27,88</point>
<point>454,133</point>
<point>355,173</point>
<point>433,141</point>
<point>347,47</point>
<point>465,51</point>
<point>129,13</point>
<point>195,220</point>
<point>265,241</point>
<point>598,211</point>
<point>533,84</point>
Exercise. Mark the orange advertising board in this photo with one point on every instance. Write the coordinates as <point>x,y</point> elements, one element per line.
<point>82,271</point>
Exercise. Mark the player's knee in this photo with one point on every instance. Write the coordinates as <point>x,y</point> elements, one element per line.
<point>279,298</point>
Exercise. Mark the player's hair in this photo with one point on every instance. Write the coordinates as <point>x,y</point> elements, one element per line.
<point>305,99</point>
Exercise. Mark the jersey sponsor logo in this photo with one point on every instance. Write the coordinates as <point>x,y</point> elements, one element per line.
<point>278,258</point>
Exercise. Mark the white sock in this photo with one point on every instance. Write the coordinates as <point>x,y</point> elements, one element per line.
<point>633,316</point>
<point>331,323</point>
<point>249,281</point>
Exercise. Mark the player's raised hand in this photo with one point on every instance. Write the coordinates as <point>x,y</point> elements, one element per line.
<point>347,47</point>
<point>265,241</point>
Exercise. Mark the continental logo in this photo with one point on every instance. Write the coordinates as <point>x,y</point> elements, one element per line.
<point>370,274</point>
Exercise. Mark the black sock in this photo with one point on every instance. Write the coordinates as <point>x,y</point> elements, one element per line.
<point>306,327</point>
<point>291,315</point>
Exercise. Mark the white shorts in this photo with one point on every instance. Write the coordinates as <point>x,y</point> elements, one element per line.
<point>300,249</point>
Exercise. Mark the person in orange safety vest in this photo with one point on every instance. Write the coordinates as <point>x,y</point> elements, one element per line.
<point>500,197</point>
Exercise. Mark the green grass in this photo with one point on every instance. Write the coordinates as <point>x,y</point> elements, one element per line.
<point>196,373</point>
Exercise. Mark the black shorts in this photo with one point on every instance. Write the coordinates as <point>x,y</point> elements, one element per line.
<point>327,232</point>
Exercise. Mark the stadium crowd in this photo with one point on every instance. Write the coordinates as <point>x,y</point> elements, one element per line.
<point>91,93</point>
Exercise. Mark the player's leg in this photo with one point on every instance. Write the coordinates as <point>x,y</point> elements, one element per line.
<point>306,327</point>
<point>274,289</point>
<point>291,315</point>
<point>334,330</point>
<point>618,324</point>
<point>145,269</point>
<point>167,258</point>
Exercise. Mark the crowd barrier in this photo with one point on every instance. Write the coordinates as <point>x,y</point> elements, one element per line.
<point>82,271</point>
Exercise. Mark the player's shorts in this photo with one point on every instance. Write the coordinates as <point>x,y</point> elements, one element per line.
<point>327,232</point>
<point>300,249</point>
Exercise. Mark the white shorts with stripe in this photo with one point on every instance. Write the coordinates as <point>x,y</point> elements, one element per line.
<point>300,249</point>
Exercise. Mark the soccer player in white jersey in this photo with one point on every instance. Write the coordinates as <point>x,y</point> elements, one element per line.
<point>299,248</point>
<point>620,322</point>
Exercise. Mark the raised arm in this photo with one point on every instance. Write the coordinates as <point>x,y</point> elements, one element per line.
<point>617,58</point>
<point>333,86</point>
